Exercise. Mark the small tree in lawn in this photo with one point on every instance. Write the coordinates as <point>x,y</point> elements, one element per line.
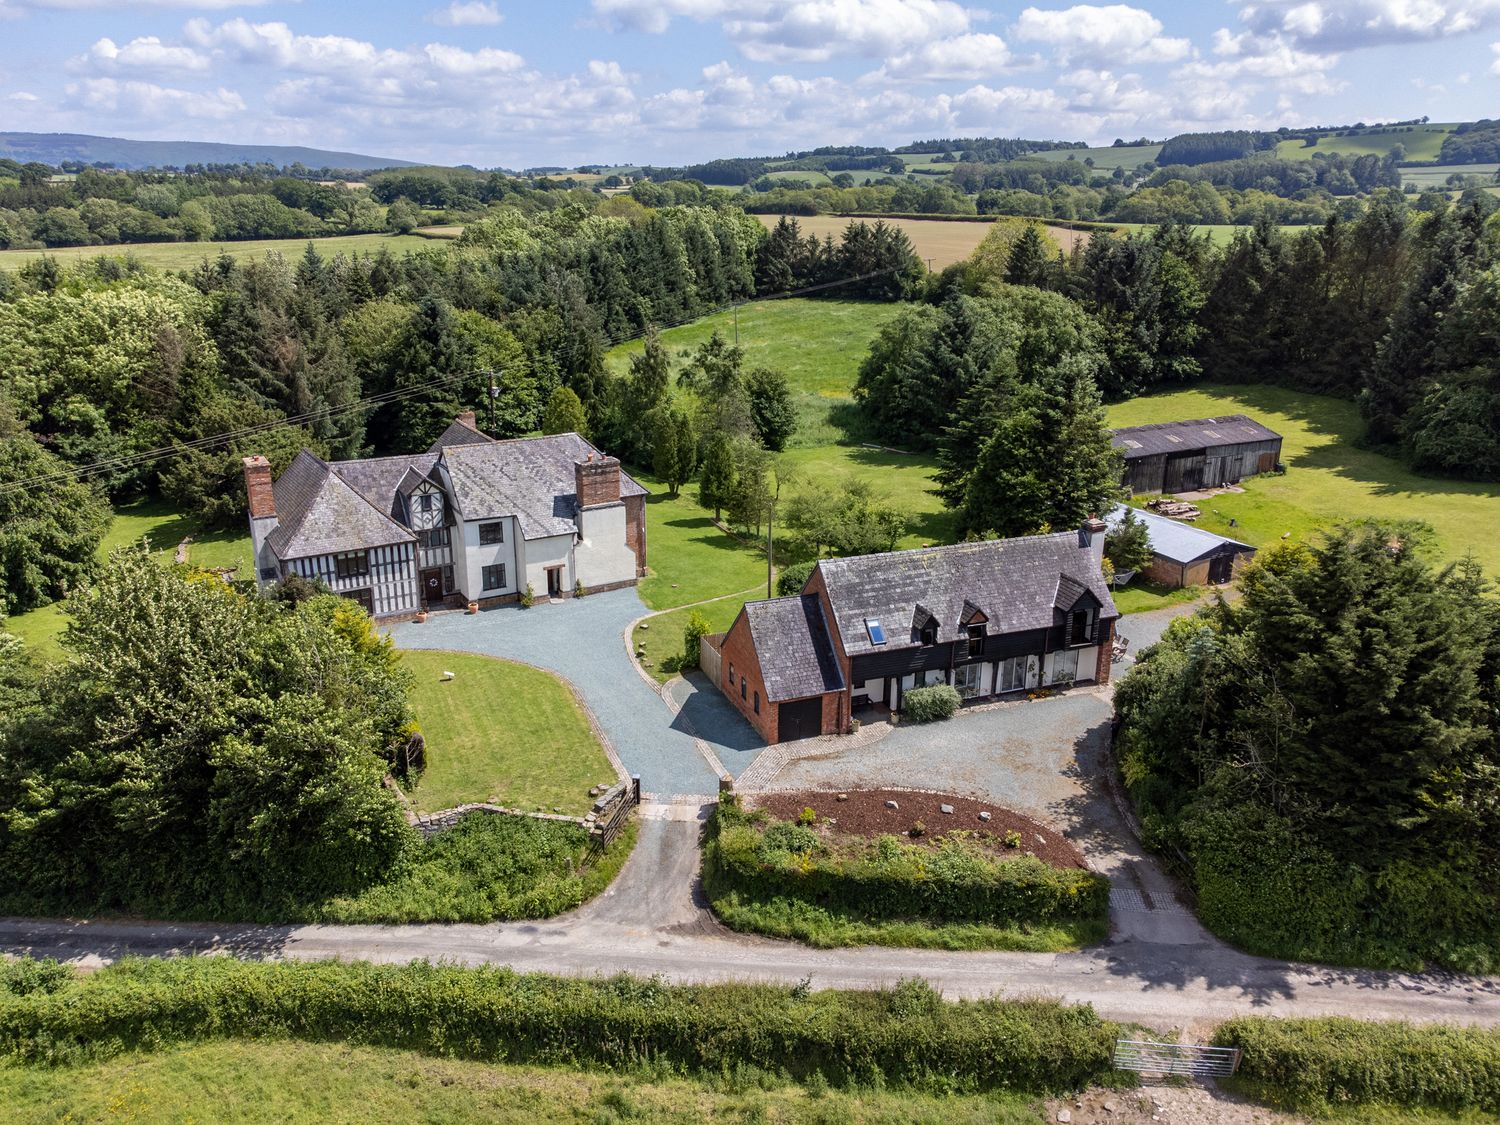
<point>1128,545</point>
<point>674,448</point>
<point>564,413</point>
<point>771,410</point>
<point>716,476</point>
<point>692,633</point>
<point>402,216</point>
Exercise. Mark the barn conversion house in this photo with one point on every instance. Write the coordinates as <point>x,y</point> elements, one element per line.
<point>470,520</point>
<point>1177,457</point>
<point>990,618</point>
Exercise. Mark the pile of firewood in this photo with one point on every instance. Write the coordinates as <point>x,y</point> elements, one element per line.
<point>1174,509</point>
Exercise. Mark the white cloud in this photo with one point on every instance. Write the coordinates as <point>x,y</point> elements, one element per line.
<point>466,13</point>
<point>361,62</point>
<point>1250,61</point>
<point>1349,24</point>
<point>976,55</point>
<point>1112,34</point>
<point>148,102</point>
<point>1494,66</point>
<point>147,53</point>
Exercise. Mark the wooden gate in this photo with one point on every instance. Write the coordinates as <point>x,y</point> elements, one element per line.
<point>611,811</point>
<point>1146,1056</point>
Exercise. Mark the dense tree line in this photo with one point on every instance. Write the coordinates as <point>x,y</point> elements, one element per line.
<point>1330,173</point>
<point>1205,148</point>
<point>1324,752</point>
<point>1473,142</point>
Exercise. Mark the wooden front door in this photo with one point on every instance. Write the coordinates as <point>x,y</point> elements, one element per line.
<point>802,719</point>
<point>554,581</point>
<point>432,586</point>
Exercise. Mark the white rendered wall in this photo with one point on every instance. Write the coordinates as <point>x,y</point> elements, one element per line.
<point>537,555</point>
<point>603,556</point>
<point>470,559</point>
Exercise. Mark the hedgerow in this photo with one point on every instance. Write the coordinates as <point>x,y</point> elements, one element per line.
<point>1317,1064</point>
<point>777,864</point>
<point>906,1035</point>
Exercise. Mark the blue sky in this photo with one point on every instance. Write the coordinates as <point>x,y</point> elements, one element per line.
<point>498,82</point>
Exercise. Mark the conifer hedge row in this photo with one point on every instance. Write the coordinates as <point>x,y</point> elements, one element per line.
<point>905,1035</point>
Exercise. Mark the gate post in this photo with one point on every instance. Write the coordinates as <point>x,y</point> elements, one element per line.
<point>635,789</point>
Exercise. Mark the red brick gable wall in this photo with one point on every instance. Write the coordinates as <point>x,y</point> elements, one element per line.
<point>635,531</point>
<point>739,656</point>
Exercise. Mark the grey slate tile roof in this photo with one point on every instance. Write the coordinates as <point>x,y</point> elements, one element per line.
<point>319,513</point>
<point>529,478</point>
<point>1195,433</point>
<point>796,651</point>
<point>458,433</point>
<point>1017,583</point>
<point>1176,541</point>
<point>377,478</point>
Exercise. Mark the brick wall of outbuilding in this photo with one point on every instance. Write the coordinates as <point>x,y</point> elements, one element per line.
<point>635,531</point>
<point>738,653</point>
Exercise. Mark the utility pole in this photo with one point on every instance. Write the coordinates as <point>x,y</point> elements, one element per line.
<point>770,547</point>
<point>494,394</point>
<point>736,324</point>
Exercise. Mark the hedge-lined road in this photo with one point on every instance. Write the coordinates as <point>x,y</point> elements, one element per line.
<point>650,923</point>
<point>1161,968</point>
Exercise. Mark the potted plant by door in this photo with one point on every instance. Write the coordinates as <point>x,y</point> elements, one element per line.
<point>472,607</point>
<point>421,615</point>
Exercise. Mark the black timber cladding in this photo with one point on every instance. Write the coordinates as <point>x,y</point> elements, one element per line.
<point>1196,453</point>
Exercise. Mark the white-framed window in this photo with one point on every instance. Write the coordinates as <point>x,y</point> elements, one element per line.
<point>966,678</point>
<point>355,564</point>
<point>490,533</point>
<point>493,576</point>
<point>1012,674</point>
<point>1065,666</point>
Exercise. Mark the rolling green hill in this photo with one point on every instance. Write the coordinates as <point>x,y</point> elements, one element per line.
<point>1422,142</point>
<point>55,148</point>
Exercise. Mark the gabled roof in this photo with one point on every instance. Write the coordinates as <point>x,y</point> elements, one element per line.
<point>377,478</point>
<point>791,638</point>
<point>1069,590</point>
<point>1195,433</point>
<point>319,513</point>
<point>1179,542</point>
<point>1015,582</point>
<point>530,478</point>
<point>458,433</point>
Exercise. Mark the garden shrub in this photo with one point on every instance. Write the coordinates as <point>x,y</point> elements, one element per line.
<point>792,578</point>
<point>902,1036</point>
<point>26,975</point>
<point>927,704</point>
<point>1317,1064</point>
<point>886,878</point>
<point>694,631</point>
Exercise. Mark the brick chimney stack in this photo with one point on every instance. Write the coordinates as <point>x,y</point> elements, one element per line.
<point>466,417</point>
<point>1091,538</point>
<point>258,488</point>
<point>598,481</point>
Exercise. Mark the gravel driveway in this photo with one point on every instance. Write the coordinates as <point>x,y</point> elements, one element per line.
<point>581,639</point>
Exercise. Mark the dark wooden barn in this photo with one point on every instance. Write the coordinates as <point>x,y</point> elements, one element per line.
<point>1177,457</point>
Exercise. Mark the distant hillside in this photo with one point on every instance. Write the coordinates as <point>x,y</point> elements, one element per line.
<point>55,148</point>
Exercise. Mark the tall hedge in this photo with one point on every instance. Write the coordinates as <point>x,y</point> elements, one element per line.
<point>1314,1064</point>
<point>905,1035</point>
<point>890,879</point>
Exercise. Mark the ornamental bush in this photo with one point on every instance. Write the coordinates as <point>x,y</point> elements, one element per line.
<point>928,704</point>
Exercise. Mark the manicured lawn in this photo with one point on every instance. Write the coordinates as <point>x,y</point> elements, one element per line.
<point>691,560</point>
<point>1328,477</point>
<point>165,528</point>
<point>658,640</point>
<point>501,732</point>
<point>186,255</point>
<point>904,479</point>
<point>286,1081</point>
<point>1142,595</point>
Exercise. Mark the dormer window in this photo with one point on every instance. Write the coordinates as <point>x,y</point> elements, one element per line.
<point>1081,626</point>
<point>976,640</point>
<point>929,633</point>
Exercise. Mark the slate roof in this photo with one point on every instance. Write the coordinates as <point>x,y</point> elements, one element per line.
<point>529,478</point>
<point>319,513</point>
<point>1176,541</point>
<point>1018,583</point>
<point>458,433</point>
<point>792,638</point>
<point>377,478</point>
<point>1196,433</point>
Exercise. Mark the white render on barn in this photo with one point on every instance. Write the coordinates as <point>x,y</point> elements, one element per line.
<point>470,520</point>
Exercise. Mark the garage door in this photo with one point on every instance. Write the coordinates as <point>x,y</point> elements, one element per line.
<point>802,719</point>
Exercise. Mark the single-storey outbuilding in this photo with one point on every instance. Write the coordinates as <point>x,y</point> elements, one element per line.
<point>1176,457</point>
<point>1183,555</point>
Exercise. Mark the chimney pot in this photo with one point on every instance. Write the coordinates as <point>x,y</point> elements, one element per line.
<point>258,491</point>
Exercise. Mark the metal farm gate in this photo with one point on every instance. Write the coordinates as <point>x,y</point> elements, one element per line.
<point>1192,1060</point>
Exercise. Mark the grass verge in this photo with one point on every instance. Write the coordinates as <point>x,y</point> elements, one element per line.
<point>1143,595</point>
<point>776,878</point>
<point>486,869</point>
<point>280,1081</point>
<point>658,640</point>
<point>501,732</point>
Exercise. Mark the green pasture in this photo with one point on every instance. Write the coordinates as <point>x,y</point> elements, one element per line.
<point>1128,157</point>
<point>1424,142</point>
<point>164,528</point>
<point>1437,175</point>
<point>501,732</point>
<point>186,255</point>
<point>691,560</point>
<point>658,641</point>
<point>1329,478</point>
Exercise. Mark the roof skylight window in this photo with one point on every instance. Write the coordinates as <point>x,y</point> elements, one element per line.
<point>876,631</point>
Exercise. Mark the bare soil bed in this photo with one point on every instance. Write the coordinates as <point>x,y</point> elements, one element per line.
<point>863,812</point>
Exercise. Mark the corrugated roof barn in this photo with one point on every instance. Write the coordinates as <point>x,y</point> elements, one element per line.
<point>1198,453</point>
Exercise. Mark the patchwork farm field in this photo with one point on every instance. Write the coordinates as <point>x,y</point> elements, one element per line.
<point>186,255</point>
<point>1422,142</point>
<point>940,241</point>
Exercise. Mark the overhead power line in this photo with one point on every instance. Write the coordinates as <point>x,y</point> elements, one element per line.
<point>128,461</point>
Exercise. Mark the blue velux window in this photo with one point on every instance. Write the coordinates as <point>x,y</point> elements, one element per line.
<point>876,631</point>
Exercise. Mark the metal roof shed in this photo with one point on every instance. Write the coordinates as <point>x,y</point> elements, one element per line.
<point>1186,555</point>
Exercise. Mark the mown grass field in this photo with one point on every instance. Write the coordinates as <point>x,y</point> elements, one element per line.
<point>940,241</point>
<point>186,255</point>
<point>1128,157</point>
<point>283,1081</point>
<point>1424,142</point>
<point>501,732</point>
<point>1328,477</point>
<point>1437,175</point>
<point>164,527</point>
